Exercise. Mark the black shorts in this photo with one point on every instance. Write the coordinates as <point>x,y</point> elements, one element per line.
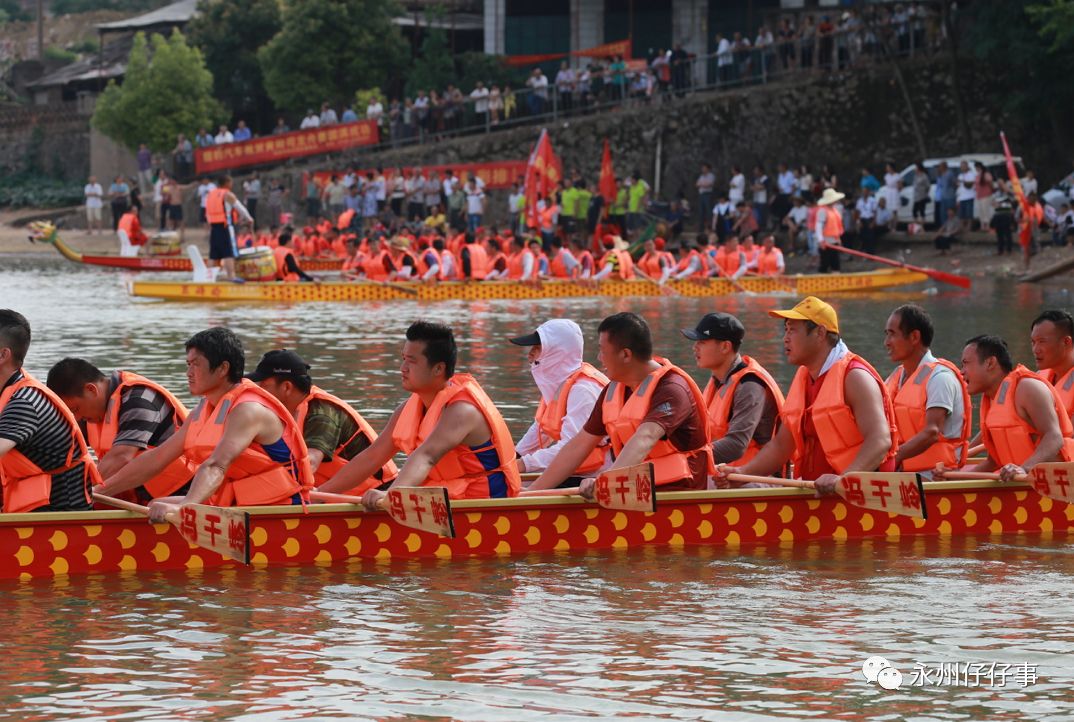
<point>175,212</point>
<point>221,242</point>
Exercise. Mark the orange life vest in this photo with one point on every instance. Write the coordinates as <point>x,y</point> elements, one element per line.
<point>910,401</point>
<point>719,403</point>
<point>102,435</point>
<point>1008,437</point>
<point>253,478</point>
<point>728,263</point>
<point>752,253</point>
<point>768,263</point>
<point>373,267</point>
<point>282,274</point>
<point>625,268</point>
<point>833,223</point>
<point>550,415</point>
<point>129,224</point>
<point>516,266</point>
<point>453,274</point>
<point>834,423</point>
<point>558,266</point>
<point>703,263</point>
<point>479,261</point>
<point>215,212</point>
<point>459,470</point>
<point>585,261</point>
<point>398,262</point>
<point>328,469</point>
<point>540,260</point>
<point>1064,387</point>
<point>651,264</point>
<point>26,485</point>
<point>547,218</point>
<point>345,219</point>
<point>622,419</point>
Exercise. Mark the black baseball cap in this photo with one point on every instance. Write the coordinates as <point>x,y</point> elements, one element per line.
<point>718,326</point>
<point>530,339</point>
<point>280,363</point>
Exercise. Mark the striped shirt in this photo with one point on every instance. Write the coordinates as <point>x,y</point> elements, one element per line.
<point>146,419</point>
<point>42,435</point>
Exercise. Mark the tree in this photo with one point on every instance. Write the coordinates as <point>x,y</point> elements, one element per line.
<point>434,68</point>
<point>163,94</point>
<point>327,48</point>
<point>229,34</point>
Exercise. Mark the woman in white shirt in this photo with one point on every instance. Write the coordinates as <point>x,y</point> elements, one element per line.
<point>890,191</point>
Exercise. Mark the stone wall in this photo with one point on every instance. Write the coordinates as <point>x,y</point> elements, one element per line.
<point>55,138</point>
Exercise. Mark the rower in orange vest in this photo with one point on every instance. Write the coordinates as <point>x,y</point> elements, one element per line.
<point>742,399</point>
<point>750,250</point>
<point>287,268</point>
<point>650,411</point>
<point>569,389</point>
<point>333,431</point>
<point>497,261</point>
<point>1052,338</point>
<point>837,417</point>
<point>730,259</point>
<point>617,262</point>
<point>45,464</point>
<point>543,266</point>
<point>377,263</point>
<point>352,264</point>
<point>1023,422</point>
<point>247,447</point>
<point>586,265</point>
<point>769,261</point>
<point>124,415</point>
<point>403,261</point>
<point>448,265</point>
<point>521,264</point>
<point>563,264</point>
<point>451,431</point>
<point>473,260</point>
<point>130,224</point>
<point>933,411</point>
<point>654,261</point>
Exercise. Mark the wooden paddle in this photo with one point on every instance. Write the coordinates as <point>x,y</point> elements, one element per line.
<point>426,508</point>
<point>628,489</point>
<point>1052,479</point>
<point>225,531</point>
<point>941,276</point>
<point>398,287</point>
<point>664,289</point>
<point>867,489</point>
<point>976,450</point>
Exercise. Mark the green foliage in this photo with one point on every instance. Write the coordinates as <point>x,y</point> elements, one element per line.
<point>13,11</point>
<point>435,67</point>
<point>229,34</point>
<point>489,69</point>
<point>65,56</point>
<point>32,190</point>
<point>160,97</point>
<point>1055,19</point>
<point>72,7</point>
<point>328,47</point>
<point>89,46</point>
<point>362,98</point>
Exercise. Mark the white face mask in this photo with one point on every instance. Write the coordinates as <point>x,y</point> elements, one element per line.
<point>561,355</point>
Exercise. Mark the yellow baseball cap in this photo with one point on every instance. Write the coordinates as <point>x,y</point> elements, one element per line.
<point>812,309</point>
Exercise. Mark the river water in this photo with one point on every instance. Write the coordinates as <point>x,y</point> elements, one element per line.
<point>750,633</point>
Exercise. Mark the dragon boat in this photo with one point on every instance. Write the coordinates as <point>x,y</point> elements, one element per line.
<point>57,543</point>
<point>801,285</point>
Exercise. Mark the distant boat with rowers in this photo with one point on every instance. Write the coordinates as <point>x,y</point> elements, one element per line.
<point>47,544</point>
<point>165,255</point>
<point>800,285</point>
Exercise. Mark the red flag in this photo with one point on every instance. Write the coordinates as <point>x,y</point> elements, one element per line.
<point>543,173</point>
<point>1025,233</point>
<point>607,176</point>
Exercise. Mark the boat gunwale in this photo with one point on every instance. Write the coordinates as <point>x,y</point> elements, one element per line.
<point>515,503</point>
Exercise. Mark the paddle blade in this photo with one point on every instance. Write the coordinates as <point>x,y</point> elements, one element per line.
<point>896,493</point>
<point>422,507</point>
<point>1053,480</point>
<point>950,278</point>
<point>225,531</point>
<point>628,489</point>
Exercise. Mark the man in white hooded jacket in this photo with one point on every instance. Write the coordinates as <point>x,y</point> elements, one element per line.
<point>569,389</point>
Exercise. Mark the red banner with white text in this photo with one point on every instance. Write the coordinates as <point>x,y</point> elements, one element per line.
<point>295,144</point>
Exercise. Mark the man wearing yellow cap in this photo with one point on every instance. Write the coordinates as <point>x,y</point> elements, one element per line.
<point>838,415</point>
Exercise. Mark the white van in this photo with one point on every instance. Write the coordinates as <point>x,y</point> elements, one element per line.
<point>995,163</point>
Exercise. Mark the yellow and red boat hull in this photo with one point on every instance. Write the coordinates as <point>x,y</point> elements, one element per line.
<point>51,544</point>
<point>804,285</point>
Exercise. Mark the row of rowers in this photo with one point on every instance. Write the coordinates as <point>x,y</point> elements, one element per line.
<point>485,256</point>
<point>266,437</point>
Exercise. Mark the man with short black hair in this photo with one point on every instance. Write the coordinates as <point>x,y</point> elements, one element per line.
<point>651,411</point>
<point>742,399</point>
<point>248,449</point>
<point>45,464</point>
<point>932,405</point>
<point>334,432</point>
<point>1023,422</point>
<point>1052,339</point>
<point>451,431</point>
<point>124,415</point>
